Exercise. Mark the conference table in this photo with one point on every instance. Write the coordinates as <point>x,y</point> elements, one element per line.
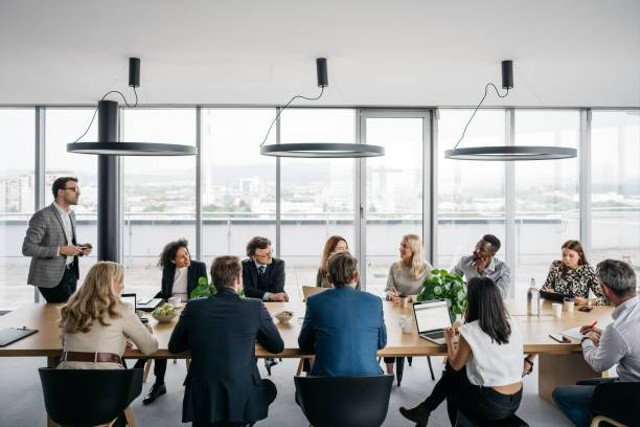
<point>558,363</point>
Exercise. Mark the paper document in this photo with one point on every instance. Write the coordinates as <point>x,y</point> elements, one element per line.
<point>573,334</point>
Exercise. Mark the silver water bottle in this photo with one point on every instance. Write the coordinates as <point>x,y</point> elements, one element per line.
<point>533,299</point>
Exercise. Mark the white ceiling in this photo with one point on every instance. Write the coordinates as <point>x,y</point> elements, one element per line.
<point>568,53</point>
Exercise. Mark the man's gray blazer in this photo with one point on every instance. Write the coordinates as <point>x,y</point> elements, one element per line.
<point>44,235</point>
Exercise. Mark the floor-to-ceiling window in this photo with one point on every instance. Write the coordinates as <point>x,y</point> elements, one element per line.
<point>159,193</point>
<point>470,194</point>
<point>63,126</point>
<point>546,194</point>
<point>17,196</point>
<point>316,195</point>
<point>394,190</point>
<point>239,185</point>
<point>615,186</point>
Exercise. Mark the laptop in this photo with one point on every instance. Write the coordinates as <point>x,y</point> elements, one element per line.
<point>130,300</point>
<point>553,296</point>
<point>432,318</point>
<point>148,304</point>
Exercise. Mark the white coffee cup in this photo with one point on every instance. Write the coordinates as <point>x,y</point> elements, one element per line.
<point>174,301</point>
<point>406,323</point>
<point>557,310</point>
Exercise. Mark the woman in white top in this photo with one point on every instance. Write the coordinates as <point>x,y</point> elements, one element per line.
<point>483,375</point>
<point>97,326</point>
<point>406,276</point>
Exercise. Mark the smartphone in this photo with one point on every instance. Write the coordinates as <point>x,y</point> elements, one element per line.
<point>585,309</point>
<point>559,338</point>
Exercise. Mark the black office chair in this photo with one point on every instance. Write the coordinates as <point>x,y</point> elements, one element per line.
<point>344,401</point>
<point>88,397</point>
<point>616,403</point>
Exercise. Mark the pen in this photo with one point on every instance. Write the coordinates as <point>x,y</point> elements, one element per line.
<point>591,326</point>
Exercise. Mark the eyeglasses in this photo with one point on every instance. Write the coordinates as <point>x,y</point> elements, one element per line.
<point>267,255</point>
<point>74,189</point>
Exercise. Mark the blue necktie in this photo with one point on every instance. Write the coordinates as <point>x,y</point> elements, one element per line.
<point>261,269</point>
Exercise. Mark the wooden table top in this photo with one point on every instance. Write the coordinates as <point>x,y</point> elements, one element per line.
<point>535,330</point>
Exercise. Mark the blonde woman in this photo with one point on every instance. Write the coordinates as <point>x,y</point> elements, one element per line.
<point>96,325</point>
<point>406,275</point>
<point>334,245</point>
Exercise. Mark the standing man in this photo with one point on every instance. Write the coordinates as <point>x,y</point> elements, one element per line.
<point>262,274</point>
<point>482,263</point>
<point>618,343</point>
<point>51,243</point>
<point>223,385</point>
<point>343,327</point>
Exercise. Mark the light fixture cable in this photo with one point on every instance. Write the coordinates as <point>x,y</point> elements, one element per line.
<point>486,91</point>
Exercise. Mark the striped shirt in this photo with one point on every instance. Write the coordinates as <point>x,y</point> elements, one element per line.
<point>619,343</point>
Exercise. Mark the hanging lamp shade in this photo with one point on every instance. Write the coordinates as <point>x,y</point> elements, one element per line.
<point>108,144</point>
<point>507,152</point>
<point>318,150</point>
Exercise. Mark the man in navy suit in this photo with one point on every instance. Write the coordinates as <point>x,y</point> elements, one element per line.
<point>223,386</point>
<point>343,327</point>
<point>262,274</point>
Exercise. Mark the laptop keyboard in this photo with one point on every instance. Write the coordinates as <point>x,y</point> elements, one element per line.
<point>433,335</point>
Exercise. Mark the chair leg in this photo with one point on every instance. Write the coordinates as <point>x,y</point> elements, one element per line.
<point>433,377</point>
<point>147,368</point>
<point>187,362</point>
<point>409,360</point>
<point>601,418</point>
<point>131,419</point>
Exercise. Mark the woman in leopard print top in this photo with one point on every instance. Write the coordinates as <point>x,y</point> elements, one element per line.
<point>573,275</point>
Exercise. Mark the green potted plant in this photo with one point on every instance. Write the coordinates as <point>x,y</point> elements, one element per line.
<point>203,290</point>
<point>449,286</point>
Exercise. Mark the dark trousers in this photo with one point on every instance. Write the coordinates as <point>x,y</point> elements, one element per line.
<point>159,368</point>
<point>478,403</point>
<point>63,290</point>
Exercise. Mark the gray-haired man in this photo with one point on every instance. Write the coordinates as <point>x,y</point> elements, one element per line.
<point>618,343</point>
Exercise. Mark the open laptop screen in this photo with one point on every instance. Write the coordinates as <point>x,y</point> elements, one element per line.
<point>431,315</point>
<point>129,299</point>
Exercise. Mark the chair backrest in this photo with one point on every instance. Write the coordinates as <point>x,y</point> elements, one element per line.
<point>308,291</point>
<point>344,401</point>
<point>88,397</point>
<point>617,400</point>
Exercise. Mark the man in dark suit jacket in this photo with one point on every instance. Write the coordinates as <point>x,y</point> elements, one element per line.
<point>262,274</point>
<point>223,385</point>
<point>343,327</point>
<point>180,275</point>
<point>51,243</point>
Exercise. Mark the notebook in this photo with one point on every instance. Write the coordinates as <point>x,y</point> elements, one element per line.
<point>10,335</point>
<point>573,334</point>
<point>432,318</point>
<point>308,291</point>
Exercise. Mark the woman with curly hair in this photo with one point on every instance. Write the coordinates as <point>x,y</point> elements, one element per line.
<point>97,326</point>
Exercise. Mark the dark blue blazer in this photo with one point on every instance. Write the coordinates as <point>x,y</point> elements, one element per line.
<point>274,278</point>
<point>223,383</point>
<point>344,328</point>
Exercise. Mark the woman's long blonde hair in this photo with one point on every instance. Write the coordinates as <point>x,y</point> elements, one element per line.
<point>417,265</point>
<point>94,300</point>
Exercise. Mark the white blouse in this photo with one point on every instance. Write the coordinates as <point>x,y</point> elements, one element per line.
<point>492,364</point>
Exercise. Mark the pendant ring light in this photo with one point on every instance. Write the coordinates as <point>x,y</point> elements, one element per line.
<point>507,152</point>
<point>108,124</point>
<point>316,150</point>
